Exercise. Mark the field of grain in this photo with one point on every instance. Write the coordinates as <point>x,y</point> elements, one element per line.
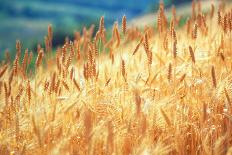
<point>157,90</point>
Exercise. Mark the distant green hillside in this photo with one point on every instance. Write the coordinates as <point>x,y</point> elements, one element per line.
<point>27,20</point>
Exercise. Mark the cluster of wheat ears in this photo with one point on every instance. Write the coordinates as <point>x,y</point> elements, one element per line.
<point>162,90</point>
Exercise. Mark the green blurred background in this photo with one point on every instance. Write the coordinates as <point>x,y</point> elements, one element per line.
<point>27,20</point>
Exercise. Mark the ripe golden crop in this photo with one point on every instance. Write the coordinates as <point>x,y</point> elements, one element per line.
<point>162,90</point>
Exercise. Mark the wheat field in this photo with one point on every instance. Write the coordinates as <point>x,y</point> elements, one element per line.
<point>157,90</point>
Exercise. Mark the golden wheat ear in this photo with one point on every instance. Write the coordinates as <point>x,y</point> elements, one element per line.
<point>101,25</point>
<point>39,58</point>
<point>124,26</point>
<point>123,69</point>
<point>194,31</point>
<point>18,48</point>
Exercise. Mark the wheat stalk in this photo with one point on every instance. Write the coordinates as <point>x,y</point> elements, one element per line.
<point>36,131</point>
<point>137,46</point>
<point>6,93</point>
<point>29,92</point>
<point>169,72</point>
<point>192,54</point>
<point>3,70</point>
<point>117,34</point>
<point>137,102</point>
<point>107,82</point>
<point>213,74</point>
<point>166,117</point>
<point>227,96</point>
<point>76,84</point>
